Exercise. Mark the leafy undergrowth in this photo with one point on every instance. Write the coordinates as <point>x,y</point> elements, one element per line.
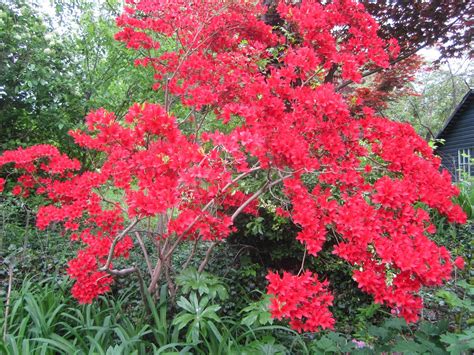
<point>44,319</point>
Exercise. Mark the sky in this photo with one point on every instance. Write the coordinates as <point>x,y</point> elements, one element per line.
<point>430,54</point>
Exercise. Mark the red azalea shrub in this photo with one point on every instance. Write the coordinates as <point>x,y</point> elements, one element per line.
<point>372,180</point>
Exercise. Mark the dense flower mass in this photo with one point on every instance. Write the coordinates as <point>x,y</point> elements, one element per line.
<point>273,101</point>
<point>303,299</point>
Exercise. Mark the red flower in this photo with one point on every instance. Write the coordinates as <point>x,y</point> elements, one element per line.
<point>17,190</point>
<point>460,263</point>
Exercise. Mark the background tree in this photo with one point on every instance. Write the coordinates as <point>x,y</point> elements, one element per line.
<point>40,98</point>
<point>444,24</point>
<point>108,76</point>
<point>437,93</point>
<point>59,66</point>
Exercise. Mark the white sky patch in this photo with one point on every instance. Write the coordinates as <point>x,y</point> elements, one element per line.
<point>430,54</point>
<point>46,7</point>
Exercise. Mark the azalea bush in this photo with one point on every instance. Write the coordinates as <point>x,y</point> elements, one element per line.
<point>267,115</point>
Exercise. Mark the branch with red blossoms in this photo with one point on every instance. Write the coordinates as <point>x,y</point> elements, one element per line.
<point>117,239</point>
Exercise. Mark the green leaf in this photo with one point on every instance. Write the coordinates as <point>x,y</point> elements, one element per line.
<point>185,304</point>
<point>182,320</point>
<point>409,347</point>
<point>325,344</point>
<point>250,319</point>
<point>378,332</point>
<point>458,343</point>
<point>395,323</point>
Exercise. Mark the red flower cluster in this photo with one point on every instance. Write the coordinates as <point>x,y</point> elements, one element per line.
<point>302,299</point>
<point>346,173</point>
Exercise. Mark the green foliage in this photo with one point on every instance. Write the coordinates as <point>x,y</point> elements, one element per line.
<point>455,237</point>
<point>202,283</point>
<point>266,346</point>
<point>31,253</point>
<point>458,297</point>
<point>459,343</point>
<point>52,76</point>
<point>272,240</point>
<point>333,343</point>
<point>43,319</point>
<point>364,318</point>
<point>394,335</point>
<point>268,242</point>
<point>257,313</point>
<point>466,197</point>
<point>105,67</point>
<point>198,316</point>
<point>58,67</point>
<point>453,300</point>
<point>39,94</point>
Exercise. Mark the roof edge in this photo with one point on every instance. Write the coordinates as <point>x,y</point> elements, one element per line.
<point>455,111</point>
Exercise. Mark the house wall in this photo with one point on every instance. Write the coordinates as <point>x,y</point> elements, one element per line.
<point>459,134</point>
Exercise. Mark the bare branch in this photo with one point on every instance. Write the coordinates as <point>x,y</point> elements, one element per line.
<point>145,253</point>
<point>206,207</point>
<point>114,243</point>
<point>155,277</point>
<point>257,194</point>
<point>208,255</point>
<point>302,262</point>
<point>121,272</point>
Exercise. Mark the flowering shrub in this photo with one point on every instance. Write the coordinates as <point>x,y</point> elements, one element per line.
<point>345,173</point>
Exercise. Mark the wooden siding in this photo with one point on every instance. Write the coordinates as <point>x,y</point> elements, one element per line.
<point>458,134</point>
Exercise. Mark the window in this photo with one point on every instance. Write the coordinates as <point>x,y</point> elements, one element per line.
<point>465,162</point>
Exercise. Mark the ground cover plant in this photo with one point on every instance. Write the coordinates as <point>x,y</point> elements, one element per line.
<point>254,122</point>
